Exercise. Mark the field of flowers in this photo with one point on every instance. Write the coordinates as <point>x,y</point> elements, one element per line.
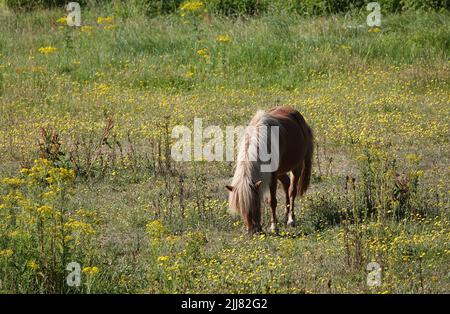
<point>86,115</point>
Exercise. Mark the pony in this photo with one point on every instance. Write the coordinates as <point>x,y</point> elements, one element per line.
<point>293,151</point>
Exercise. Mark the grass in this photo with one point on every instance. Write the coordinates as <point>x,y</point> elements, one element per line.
<point>378,102</point>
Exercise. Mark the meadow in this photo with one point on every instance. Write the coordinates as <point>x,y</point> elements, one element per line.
<point>86,115</point>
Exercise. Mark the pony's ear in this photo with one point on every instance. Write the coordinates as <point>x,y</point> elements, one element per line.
<point>229,188</point>
<point>258,184</point>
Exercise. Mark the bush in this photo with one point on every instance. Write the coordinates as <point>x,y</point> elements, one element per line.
<point>159,7</point>
<point>320,211</point>
<point>28,5</point>
<point>252,7</point>
<point>42,230</point>
<point>322,7</point>
<point>238,7</point>
<point>425,4</point>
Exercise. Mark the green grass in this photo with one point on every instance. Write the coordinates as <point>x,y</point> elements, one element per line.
<point>378,103</point>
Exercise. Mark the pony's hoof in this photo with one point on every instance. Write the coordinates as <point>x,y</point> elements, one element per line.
<point>291,223</point>
<point>274,229</point>
<point>255,230</point>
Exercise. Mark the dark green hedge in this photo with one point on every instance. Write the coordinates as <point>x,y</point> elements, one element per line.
<point>27,5</point>
<point>253,7</point>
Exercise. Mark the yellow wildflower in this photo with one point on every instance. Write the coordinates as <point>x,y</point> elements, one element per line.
<point>163,258</point>
<point>6,253</point>
<point>44,210</point>
<point>192,6</point>
<point>13,181</point>
<point>108,27</point>
<point>155,229</point>
<point>32,265</point>
<point>47,50</point>
<point>203,52</point>
<point>80,226</point>
<point>223,38</point>
<point>24,171</point>
<point>105,20</point>
<point>62,20</point>
<point>91,271</point>
<point>86,29</point>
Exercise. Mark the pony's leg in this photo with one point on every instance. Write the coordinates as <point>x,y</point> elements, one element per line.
<point>296,172</point>
<point>285,181</point>
<point>273,204</point>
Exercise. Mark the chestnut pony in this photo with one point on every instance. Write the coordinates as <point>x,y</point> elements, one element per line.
<point>250,185</point>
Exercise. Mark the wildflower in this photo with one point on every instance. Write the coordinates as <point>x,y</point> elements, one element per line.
<point>109,27</point>
<point>163,258</point>
<point>62,20</point>
<point>47,50</point>
<point>80,226</point>
<point>223,38</point>
<point>202,52</point>
<point>192,6</point>
<point>32,265</point>
<point>101,89</point>
<point>91,271</point>
<point>86,29</point>
<point>67,174</point>
<point>419,173</point>
<point>155,229</point>
<point>13,182</point>
<point>105,20</point>
<point>6,253</point>
<point>44,210</point>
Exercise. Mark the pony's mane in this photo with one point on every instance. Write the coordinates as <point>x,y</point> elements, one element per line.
<point>248,164</point>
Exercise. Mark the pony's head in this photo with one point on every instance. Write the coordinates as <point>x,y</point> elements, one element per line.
<point>245,199</point>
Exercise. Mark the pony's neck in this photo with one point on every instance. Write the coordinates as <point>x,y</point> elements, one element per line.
<point>248,167</point>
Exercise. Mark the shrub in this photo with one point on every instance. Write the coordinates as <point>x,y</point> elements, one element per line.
<point>251,7</point>
<point>238,7</point>
<point>40,231</point>
<point>320,211</point>
<point>28,5</point>
<point>426,4</point>
<point>158,7</point>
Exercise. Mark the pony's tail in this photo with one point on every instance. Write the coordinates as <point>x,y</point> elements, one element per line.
<point>305,176</point>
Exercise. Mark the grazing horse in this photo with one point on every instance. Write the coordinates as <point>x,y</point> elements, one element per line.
<point>250,185</point>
